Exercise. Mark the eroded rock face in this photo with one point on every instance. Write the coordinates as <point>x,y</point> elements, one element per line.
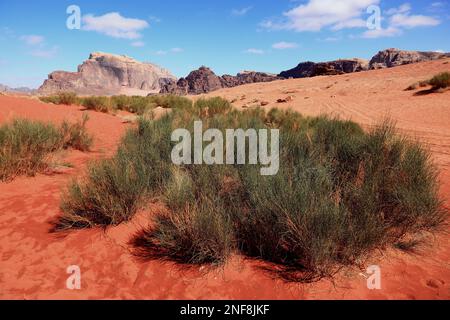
<point>204,80</point>
<point>312,69</point>
<point>394,57</point>
<point>247,77</point>
<point>108,74</point>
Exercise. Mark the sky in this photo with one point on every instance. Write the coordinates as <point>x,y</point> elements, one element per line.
<point>38,37</point>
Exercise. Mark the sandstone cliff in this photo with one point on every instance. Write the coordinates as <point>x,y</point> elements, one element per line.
<point>107,74</point>
<point>312,69</point>
<point>394,57</point>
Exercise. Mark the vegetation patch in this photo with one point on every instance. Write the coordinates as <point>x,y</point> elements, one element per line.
<point>438,82</point>
<point>339,194</point>
<point>25,145</point>
<point>133,104</point>
<point>65,98</point>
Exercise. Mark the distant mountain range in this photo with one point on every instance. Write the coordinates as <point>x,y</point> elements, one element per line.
<point>109,74</point>
<point>25,90</point>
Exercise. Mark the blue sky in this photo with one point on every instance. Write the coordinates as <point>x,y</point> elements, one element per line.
<point>225,35</point>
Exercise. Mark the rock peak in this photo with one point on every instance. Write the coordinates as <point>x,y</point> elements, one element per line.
<point>108,74</point>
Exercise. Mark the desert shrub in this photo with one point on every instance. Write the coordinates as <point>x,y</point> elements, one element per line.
<point>97,103</point>
<point>121,102</point>
<point>75,135</point>
<point>340,192</point>
<point>66,98</point>
<point>440,81</point>
<point>141,105</point>
<point>26,145</point>
<point>133,104</point>
<point>201,233</point>
<point>109,195</point>
<point>212,106</point>
<point>171,101</point>
<point>114,189</point>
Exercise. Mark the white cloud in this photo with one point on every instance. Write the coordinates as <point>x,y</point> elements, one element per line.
<point>382,33</point>
<point>241,12</point>
<point>318,14</point>
<point>38,46</point>
<point>284,45</point>
<point>437,6</point>
<point>114,25</point>
<point>173,50</point>
<point>331,39</point>
<point>45,53</point>
<point>406,7</point>
<point>176,50</point>
<point>411,21</point>
<point>254,51</point>
<point>439,51</point>
<point>33,40</point>
<point>352,23</point>
<point>138,44</point>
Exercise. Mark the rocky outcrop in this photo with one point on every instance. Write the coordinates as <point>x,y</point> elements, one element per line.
<point>247,77</point>
<point>108,74</point>
<point>204,80</point>
<point>312,69</point>
<point>394,57</point>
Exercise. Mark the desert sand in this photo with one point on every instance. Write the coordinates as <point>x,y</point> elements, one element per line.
<point>33,261</point>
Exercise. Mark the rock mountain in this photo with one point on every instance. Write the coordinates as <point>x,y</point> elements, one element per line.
<point>383,59</point>
<point>21,90</point>
<point>108,74</point>
<point>204,80</point>
<point>393,57</point>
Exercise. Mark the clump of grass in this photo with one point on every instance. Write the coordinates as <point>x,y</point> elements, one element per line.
<point>114,189</point>
<point>64,98</point>
<point>340,192</point>
<point>171,101</point>
<point>26,145</point>
<point>197,234</point>
<point>212,106</point>
<point>97,103</point>
<point>75,135</point>
<point>133,104</point>
<point>440,81</point>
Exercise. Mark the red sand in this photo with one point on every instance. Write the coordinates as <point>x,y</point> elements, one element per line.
<point>33,261</point>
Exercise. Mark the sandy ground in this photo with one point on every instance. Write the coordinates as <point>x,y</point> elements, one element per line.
<point>33,261</point>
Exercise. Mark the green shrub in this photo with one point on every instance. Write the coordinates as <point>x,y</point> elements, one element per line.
<point>114,189</point>
<point>75,135</point>
<point>340,192</point>
<point>171,101</point>
<point>212,106</point>
<point>26,145</point>
<point>133,104</point>
<point>121,102</point>
<point>440,81</point>
<point>65,98</point>
<point>197,234</point>
<point>101,104</point>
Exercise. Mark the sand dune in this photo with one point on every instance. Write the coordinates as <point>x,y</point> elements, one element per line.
<point>33,261</point>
